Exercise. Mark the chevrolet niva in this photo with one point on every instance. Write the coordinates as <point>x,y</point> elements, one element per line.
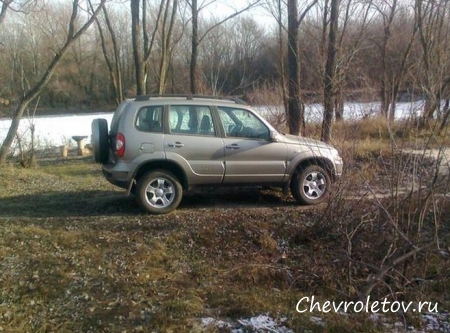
<point>157,147</point>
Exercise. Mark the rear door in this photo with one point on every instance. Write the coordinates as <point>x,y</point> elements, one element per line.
<point>250,156</point>
<point>146,138</point>
<point>192,141</point>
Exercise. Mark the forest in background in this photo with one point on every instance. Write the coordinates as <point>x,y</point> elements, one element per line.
<point>322,51</point>
<point>76,252</point>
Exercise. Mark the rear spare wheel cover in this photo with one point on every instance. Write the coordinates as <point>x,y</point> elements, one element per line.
<point>100,140</point>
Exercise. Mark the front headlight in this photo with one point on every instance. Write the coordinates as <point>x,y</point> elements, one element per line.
<point>334,152</point>
<point>336,157</point>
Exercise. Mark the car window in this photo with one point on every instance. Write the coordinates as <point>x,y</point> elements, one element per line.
<point>242,123</point>
<point>149,119</point>
<point>191,119</point>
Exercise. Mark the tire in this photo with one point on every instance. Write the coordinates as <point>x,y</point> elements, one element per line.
<point>311,185</point>
<point>99,140</point>
<point>159,192</point>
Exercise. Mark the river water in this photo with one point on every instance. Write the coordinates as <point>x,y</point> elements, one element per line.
<point>54,131</point>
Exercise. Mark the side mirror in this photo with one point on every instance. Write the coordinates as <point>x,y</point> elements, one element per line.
<point>274,136</point>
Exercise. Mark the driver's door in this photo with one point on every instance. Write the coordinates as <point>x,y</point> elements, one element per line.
<point>250,156</point>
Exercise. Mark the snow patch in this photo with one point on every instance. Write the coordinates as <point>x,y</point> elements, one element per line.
<point>53,131</point>
<point>261,323</point>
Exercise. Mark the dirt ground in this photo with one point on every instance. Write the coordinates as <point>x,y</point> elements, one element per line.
<point>79,256</point>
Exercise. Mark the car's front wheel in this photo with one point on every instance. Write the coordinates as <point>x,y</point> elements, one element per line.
<point>310,185</point>
<point>159,192</point>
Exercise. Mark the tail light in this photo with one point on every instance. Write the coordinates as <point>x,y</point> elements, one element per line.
<point>120,145</point>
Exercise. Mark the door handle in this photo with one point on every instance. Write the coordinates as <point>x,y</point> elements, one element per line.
<point>233,146</point>
<point>176,145</point>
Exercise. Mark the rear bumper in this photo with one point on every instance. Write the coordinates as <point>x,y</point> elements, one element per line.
<point>115,177</point>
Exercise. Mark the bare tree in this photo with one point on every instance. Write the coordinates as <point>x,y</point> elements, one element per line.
<point>276,8</point>
<point>329,76</point>
<point>388,18</point>
<point>114,66</point>
<point>196,39</point>
<point>355,22</point>
<point>248,45</point>
<point>194,46</point>
<point>296,108</point>
<point>405,66</point>
<point>166,36</point>
<point>218,63</point>
<point>4,9</point>
<point>393,58</point>
<point>72,35</point>
<point>143,43</point>
<point>19,6</point>
<point>445,116</point>
<point>139,64</point>
<point>433,30</point>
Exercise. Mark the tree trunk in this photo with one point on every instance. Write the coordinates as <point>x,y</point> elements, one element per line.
<point>7,143</point>
<point>112,68</point>
<point>295,106</point>
<point>139,67</point>
<point>329,73</point>
<point>392,108</point>
<point>5,6</point>
<point>194,51</point>
<point>165,49</point>
<point>446,115</point>
<point>431,28</point>
<point>431,105</point>
<point>117,68</point>
<point>339,106</point>
<point>281,58</point>
<point>384,105</point>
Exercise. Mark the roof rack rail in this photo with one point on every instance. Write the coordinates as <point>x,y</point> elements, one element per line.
<point>237,100</point>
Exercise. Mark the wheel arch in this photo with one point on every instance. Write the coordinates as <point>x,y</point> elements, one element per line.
<point>162,165</point>
<point>315,160</point>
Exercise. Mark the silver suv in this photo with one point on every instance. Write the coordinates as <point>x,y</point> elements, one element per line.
<point>159,146</point>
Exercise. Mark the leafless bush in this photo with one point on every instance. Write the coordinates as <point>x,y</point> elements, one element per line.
<point>27,156</point>
<point>387,222</point>
<point>26,142</point>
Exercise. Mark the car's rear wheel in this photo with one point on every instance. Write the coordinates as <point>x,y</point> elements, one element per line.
<point>159,192</point>
<point>310,185</point>
<point>99,140</point>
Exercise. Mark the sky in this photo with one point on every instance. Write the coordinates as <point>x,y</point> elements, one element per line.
<point>225,8</point>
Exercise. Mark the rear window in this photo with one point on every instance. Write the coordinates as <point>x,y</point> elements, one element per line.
<point>191,119</point>
<point>149,119</point>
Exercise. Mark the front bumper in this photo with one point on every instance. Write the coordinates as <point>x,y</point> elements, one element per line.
<point>338,168</point>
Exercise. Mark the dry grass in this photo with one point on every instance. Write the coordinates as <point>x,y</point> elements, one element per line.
<point>79,257</point>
